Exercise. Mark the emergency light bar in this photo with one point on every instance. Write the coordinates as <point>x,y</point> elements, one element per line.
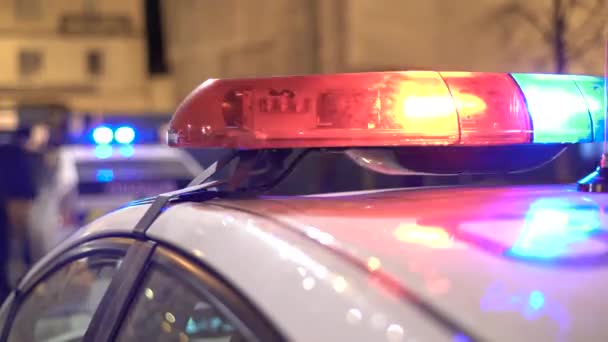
<point>412,108</point>
<point>103,135</point>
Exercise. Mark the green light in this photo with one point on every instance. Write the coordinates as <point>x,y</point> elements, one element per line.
<point>593,91</point>
<point>557,107</point>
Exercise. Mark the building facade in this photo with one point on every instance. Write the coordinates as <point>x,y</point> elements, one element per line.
<point>235,38</point>
<point>87,55</point>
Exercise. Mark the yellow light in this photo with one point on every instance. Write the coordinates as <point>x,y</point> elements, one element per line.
<point>170,317</point>
<point>463,74</point>
<point>373,263</point>
<point>9,119</point>
<point>428,106</point>
<point>339,284</point>
<point>428,236</point>
<point>149,293</point>
<point>469,104</point>
<point>424,107</point>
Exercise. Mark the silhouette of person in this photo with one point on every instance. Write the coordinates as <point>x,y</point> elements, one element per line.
<point>17,190</point>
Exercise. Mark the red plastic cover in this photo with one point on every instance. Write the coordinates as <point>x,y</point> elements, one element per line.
<point>366,109</point>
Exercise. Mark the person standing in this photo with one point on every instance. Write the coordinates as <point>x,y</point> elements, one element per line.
<point>4,249</point>
<point>17,191</point>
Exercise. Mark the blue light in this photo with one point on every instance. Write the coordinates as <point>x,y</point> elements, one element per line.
<point>124,135</point>
<point>531,305</point>
<point>105,175</point>
<point>589,177</point>
<point>460,338</point>
<point>126,150</point>
<point>103,135</point>
<point>552,226</point>
<point>536,300</point>
<point>103,151</point>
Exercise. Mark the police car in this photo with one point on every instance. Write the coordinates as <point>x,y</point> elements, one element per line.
<point>221,261</point>
<point>89,180</point>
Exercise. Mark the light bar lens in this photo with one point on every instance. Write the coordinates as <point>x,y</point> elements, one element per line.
<point>417,106</point>
<point>559,111</point>
<point>593,92</point>
<point>103,135</point>
<point>413,108</point>
<point>491,108</point>
<point>124,135</point>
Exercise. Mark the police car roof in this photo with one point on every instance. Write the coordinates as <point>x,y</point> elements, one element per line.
<point>490,262</point>
<point>88,152</point>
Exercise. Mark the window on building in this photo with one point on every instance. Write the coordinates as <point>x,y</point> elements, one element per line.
<point>94,62</point>
<point>30,62</point>
<point>90,6</point>
<point>27,9</point>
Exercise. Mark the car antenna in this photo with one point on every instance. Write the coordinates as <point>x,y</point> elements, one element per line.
<point>597,181</point>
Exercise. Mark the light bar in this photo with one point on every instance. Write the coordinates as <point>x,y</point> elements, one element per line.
<point>103,135</point>
<point>412,108</point>
<point>124,135</point>
<point>557,107</point>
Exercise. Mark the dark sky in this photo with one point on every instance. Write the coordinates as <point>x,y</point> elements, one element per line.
<point>157,63</point>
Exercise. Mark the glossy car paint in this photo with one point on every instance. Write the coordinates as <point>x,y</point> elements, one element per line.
<point>512,263</point>
<point>308,294</point>
<point>500,264</point>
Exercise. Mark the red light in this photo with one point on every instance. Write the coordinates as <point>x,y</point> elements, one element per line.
<point>491,108</point>
<point>368,109</point>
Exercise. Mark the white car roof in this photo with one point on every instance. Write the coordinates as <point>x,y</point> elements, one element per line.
<point>154,152</point>
<point>504,264</point>
<point>70,155</point>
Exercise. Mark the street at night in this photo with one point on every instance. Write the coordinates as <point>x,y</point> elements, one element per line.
<point>303,170</point>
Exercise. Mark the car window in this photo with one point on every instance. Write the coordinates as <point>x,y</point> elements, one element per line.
<point>169,310</point>
<point>60,307</point>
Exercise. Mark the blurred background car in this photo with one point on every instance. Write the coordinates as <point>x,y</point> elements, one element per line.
<point>88,184</point>
<point>88,180</point>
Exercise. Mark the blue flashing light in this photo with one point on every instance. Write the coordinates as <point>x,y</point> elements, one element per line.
<point>103,135</point>
<point>552,226</point>
<point>124,135</point>
<point>536,300</point>
<point>126,150</point>
<point>105,175</point>
<point>103,151</point>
